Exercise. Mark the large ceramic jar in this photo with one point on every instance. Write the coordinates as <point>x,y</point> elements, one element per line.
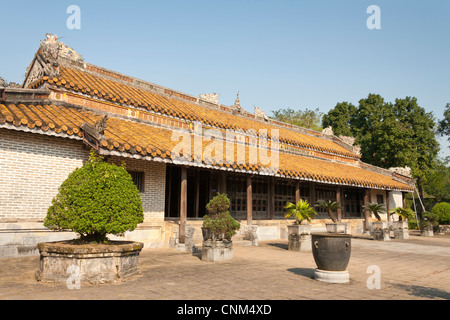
<point>331,251</point>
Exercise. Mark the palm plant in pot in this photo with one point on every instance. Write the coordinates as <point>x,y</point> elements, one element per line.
<point>336,226</point>
<point>380,229</point>
<point>400,226</point>
<point>300,231</point>
<point>218,228</point>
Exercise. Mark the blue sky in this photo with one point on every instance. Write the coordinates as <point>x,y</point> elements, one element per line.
<point>277,54</point>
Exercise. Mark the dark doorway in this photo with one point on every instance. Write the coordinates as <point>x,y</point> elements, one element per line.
<point>198,192</point>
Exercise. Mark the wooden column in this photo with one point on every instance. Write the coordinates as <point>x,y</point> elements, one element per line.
<point>404,200</point>
<point>183,205</point>
<point>312,196</point>
<point>271,198</point>
<point>197,192</point>
<point>297,191</point>
<point>222,183</point>
<point>338,199</point>
<point>249,201</point>
<point>388,206</point>
<point>366,213</point>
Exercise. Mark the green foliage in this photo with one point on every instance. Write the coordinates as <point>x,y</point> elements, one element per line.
<point>329,206</point>
<point>219,220</point>
<point>412,224</point>
<point>339,119</point>
<point>310,119</point>
<point>300,211</point>
<point>220,203</point>
<point>375,208</point>
<point>390,135</point>
<point>95,200</point>
<point>444,124</point>
<point>442,212</point>
<point>437,180</point>
<point>403,213</point>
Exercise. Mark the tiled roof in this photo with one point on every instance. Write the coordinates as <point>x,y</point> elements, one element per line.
<point>98,86</point>
<point>137,138</point>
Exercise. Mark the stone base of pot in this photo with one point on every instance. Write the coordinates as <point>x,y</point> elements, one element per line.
<point>299,237</point>
<point>299,243</point>
<point>339,227</point>
<point>331,276</point>
<point>381,235</point>
<point>380,231</point>
<point>400,229</point>
<point>401,234</point>
<point>65,261</point>
<point>217,250</point>
<point>427,233</point>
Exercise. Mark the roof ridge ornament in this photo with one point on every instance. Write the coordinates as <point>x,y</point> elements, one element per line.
<point>46,60</point>
<point>237,105</point>
<point>52,49</point>
<point>92,134</point>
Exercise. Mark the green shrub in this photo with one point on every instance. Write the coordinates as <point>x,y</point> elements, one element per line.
<point>442,210</point>
<point>220,203</point>
<point>412,224</point>
<point>95,200</point>
<point>218,219</point>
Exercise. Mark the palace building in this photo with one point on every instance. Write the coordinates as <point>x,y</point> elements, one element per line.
<point>180,150</point>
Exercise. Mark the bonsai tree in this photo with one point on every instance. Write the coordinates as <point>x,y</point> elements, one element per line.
<point>376,209</point>
<point>402,213</point>
<point>430,221</point>
<point>95,200</point>
<point>300,211</point>
<point>218,219</point>
<point>329,206</point>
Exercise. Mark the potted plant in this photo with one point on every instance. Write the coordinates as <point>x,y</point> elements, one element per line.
<point>95,200</point>
<point>380,229</point>
<point>299,232</point>
<point>218,228</point>
<point>400,227</point>
<point>336,226</point>
<point>429,224</point>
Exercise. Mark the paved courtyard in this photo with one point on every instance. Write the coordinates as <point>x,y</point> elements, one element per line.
<point>417,268</point>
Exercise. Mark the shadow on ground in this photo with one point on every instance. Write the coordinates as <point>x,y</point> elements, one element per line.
<point>305,272</point>
<point>278,245</point>
<point>424,292</point>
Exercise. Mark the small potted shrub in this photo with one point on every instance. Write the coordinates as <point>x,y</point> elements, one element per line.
<point>299,232</point>
<point>380,229</point>
<point>95,200</point>
<point>218,228</point>
<point>429,224</point>
<point>336,226</point>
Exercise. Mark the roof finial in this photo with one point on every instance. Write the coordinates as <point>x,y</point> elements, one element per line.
<point>237,103</point>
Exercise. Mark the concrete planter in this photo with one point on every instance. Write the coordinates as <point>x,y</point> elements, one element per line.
<point>339,227</point>
<point>217,250</point>
<point>99,263</point>
<point>400,229</point>
<point>299,236</point>
<point>428,231</point>
<point>380,230</point>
